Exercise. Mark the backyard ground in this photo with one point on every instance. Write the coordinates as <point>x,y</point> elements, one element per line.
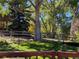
<point>8,43</point>
<point>22,44</point>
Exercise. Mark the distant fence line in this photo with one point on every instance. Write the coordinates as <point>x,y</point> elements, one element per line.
<point>15,32</point>
<point>28,34</point>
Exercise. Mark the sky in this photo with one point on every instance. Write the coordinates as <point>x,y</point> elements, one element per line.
<point>68,14</point>
<point>48,0</point>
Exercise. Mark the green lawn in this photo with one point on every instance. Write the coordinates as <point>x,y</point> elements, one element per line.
<point>34,46</point>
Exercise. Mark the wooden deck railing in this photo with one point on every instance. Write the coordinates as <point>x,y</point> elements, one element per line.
<point>42,54</point>
<point>28,55</point>
<point>68,55</point>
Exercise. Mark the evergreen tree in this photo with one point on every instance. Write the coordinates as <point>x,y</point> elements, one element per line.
<point>20,20</point>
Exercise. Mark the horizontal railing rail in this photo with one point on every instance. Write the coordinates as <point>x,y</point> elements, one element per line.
<point>66,55</point>
<point>43,54</point>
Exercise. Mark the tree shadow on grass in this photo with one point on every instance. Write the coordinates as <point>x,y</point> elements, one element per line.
<point>4,46</point>
<point>46,46</point>
<point>32,46</point>
<point>42,46</point>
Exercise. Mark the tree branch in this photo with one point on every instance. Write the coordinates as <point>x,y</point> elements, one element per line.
<point>31,3</point>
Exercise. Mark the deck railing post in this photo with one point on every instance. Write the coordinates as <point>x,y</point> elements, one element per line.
<point>53,55</point>
<point>26,58</point>
<point>43,57</point>
<point>59,55</point>
<point>30,57</point>
<point>36,57</point>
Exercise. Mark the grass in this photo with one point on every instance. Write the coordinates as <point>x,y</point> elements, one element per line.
<point>6,44</point>
<point>34,46</point>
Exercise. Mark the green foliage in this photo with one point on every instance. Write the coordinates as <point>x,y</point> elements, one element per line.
<point>21,19</point>
<point>4,46</point>
<point>0,6</point>
<point>64,26</point>
<point>77,36</point>
<point>19,23</point>
<point>4,9</point>
<point>73,3</point>
<point>26,4</point>
<point>2,1</point>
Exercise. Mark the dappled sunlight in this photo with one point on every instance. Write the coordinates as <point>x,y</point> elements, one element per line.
<point>13,58</point>
<point>21,48</point>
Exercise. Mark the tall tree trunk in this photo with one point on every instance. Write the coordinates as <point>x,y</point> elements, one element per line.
<point>75,22</point>
<point>74,27</point>
<point>71,29</point>
<point>37,21</point>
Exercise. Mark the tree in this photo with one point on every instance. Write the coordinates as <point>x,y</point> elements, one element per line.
<point>52,8</point>
<point>37,24</point>
<point>74,25</point>
<point>16,9</point>
<point>37,21</point>
<point>19,22</point>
